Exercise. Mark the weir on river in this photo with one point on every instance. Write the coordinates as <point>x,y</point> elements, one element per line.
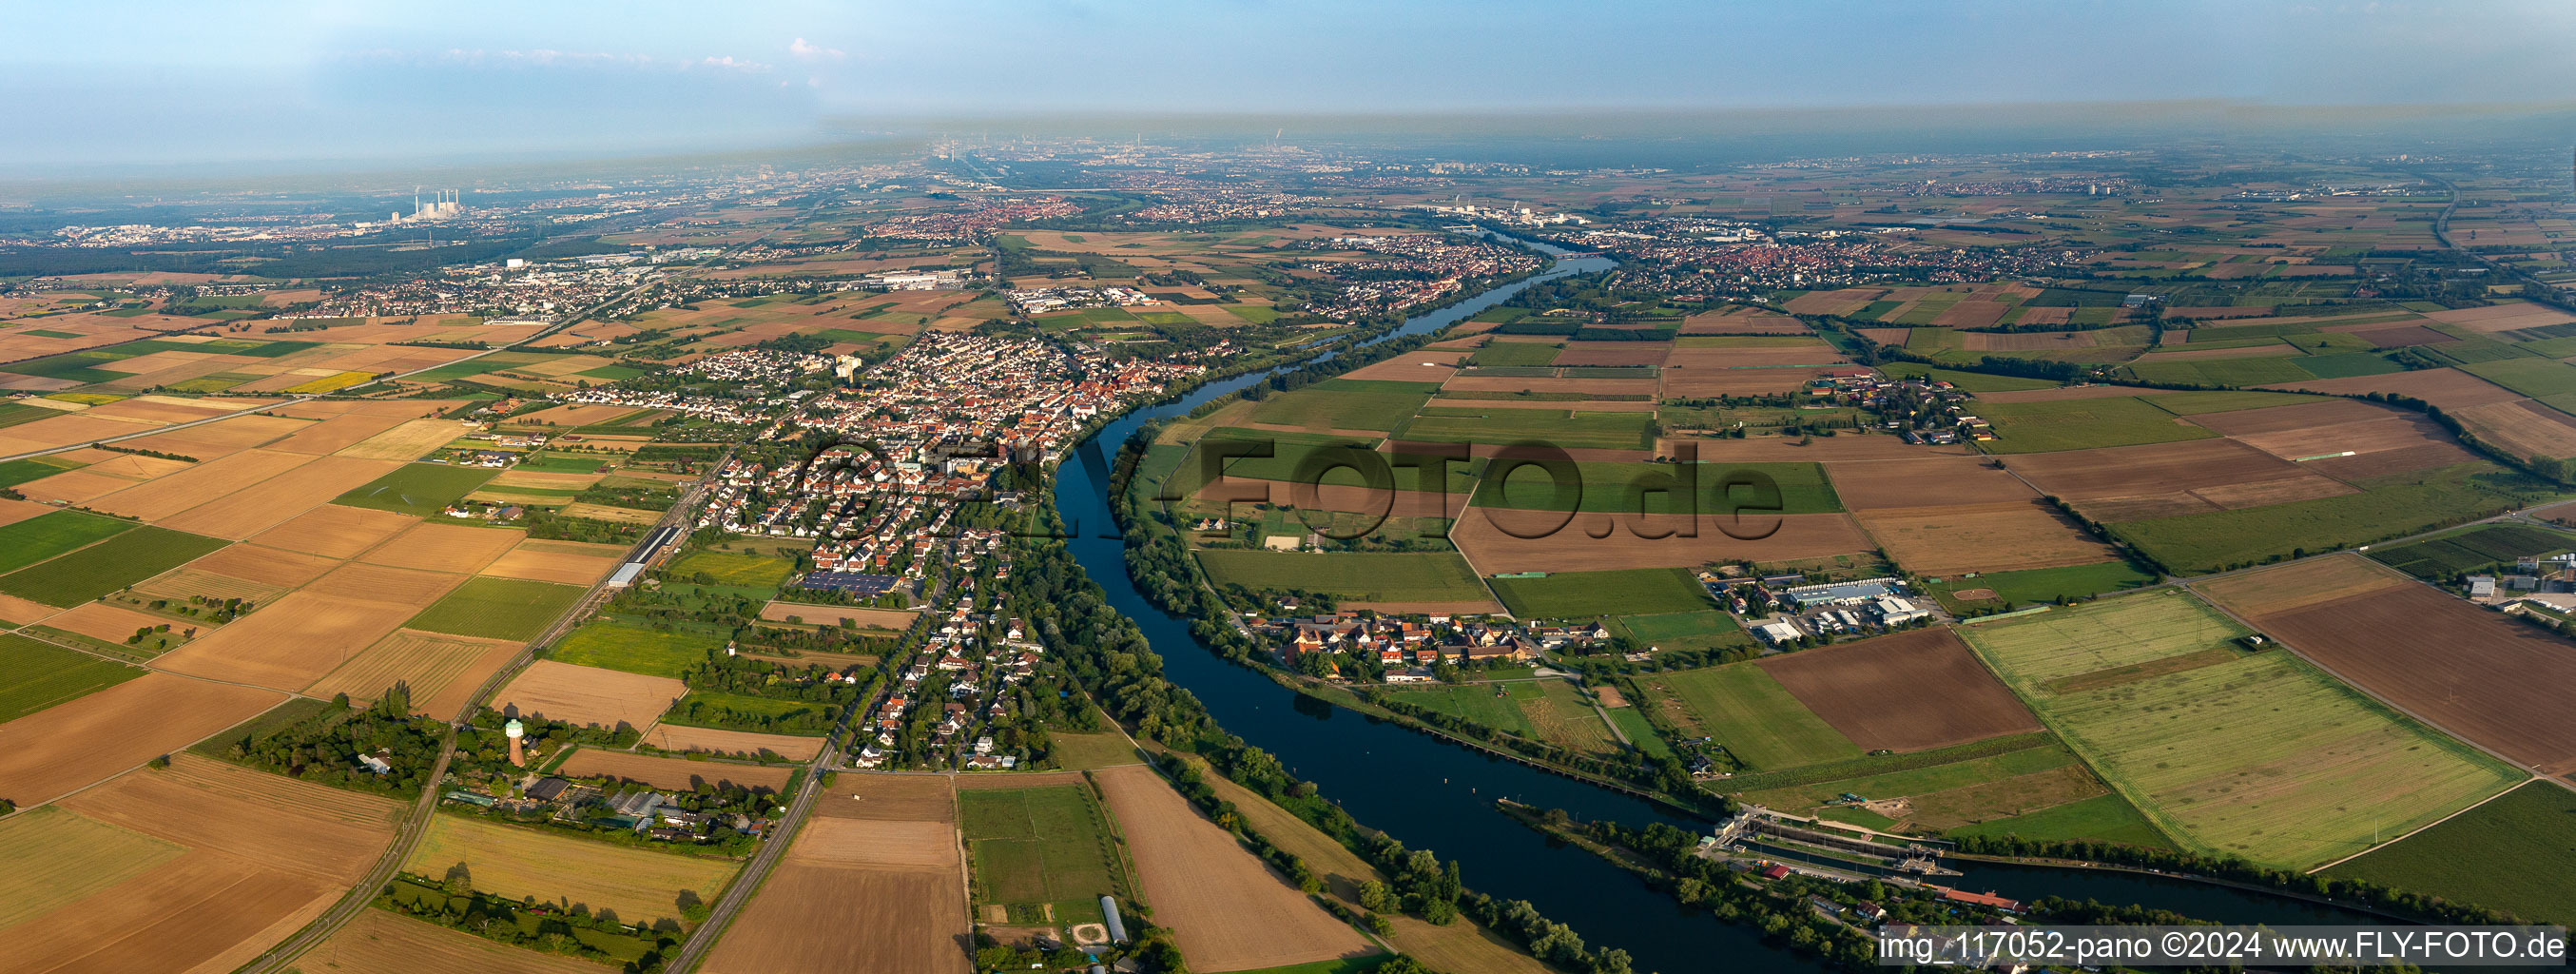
<point>1434,795</point>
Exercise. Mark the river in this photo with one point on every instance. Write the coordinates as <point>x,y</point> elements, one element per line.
<point>1439,796</point>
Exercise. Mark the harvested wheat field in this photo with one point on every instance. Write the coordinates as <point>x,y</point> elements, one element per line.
<point>385,942</point>
<point>2523,427</point>
<point>881,855</point>
<point>334,434</point>
<point>383,583</point>
<point>1493,550</point>
<point>77,744</point>
<point>1911,691</point>
<point>2487,679</point>
<point>616,515</point>
<point>674,737</point>
<point>258,565</point>
<point>289,643</point>
<point>407,442</point>
<point>445,547</point>
<point>832,615</point>
<point>2007,536</point>
<point>334,531</point>
<point>199,484</point>
<point>1925,482</point>
<point>679,774</point>
<point>107,473</point>
<point>265,855</point>
<point>264,505</point>
<point>587,695</point>
<point>1227,910</point>
<point>441,671</point>
<point>641,885</point>
<point>99,620</point>
<point>566,562</point>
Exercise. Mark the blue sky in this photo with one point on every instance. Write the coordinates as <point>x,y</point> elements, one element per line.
<point>216,81</point>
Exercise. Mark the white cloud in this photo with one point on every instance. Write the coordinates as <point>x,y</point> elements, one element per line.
<point>801,48</point>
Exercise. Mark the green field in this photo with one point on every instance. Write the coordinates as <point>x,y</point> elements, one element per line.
<point>2081,424</point>
<point>1040,845</point>
<point>2389,507</point>
<point>2534,377</point>
<point>1548,710</point>
<point>422,489</point>
<point>122,560</point>
<point>2441,557</point>
<point>2220,371</point>
<point>633,648</point>
<point>1660,488</point>
<point>1749,713</point>
<point>1630,592</point>
<point>498,608</point>
<point>1568,429</point>
<point>46,535</point>
<point>17,472</point>
<point>2101,818</point>
<point>36,675</point>
<point>736,711</point>
<point>1515,354</point>
<point>2230,752</point>
<point>748,571</point>
<point>1705,629</point>
<point>2041,584</point>
<point>1978,794</point>
<point>2515,854</point>
<point>1412,576</point>
<point>1351,404</point>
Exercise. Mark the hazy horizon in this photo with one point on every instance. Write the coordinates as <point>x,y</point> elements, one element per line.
<point>224,86</point>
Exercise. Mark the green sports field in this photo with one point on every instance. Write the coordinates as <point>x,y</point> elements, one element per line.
<point>497,608</point>
<point>1634,591</point>
<point>2515,853</point>
<point>1748,712</point>
<point>36,675</point>
<point>121,560</point>
<point>1412,576</point>
<point>422,489</point>
<point>2231,752</point>
<point>1044,845</point>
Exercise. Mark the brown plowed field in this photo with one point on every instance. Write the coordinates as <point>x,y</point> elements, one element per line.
<point>1912,691</point>
<point>2393,336</point>
<point>264,505</point>
<point>904,885</point>
<point>1745,321</point>
<point>77,744</point>
<point>263,565</point>
<point>1416,366</point>
<point>679,774</point>
<point>673,737</point>
<point>2446,388</point>
<point>199,484</point>
<point>1704,358</point>
<point>1593,387</point>
<point>445,547</point>
<point>2476,674</point>
<point>204,911</point>
<point>338,432</point>
<point>1226,910</point>
<point>333,531</point>
<point>407,442</point>
<point>1925,482</point>
<point>385,942</point>
<point>289,643</point>
<point>1837,302</point>
<point>2113,510</point>
<point>588,695</point>
<point>567,562</point>
<point>2006,536</point>
<point>2123,471</point>
<point>440,670</point>
<point>1797,536</point>
<point>1699,383</point>
<point>831,615</point>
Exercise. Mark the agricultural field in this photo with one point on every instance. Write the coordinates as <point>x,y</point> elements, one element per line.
<point>35,539</point>
<point>2230,751</point>
<point>2441,557</point>
<point>35,675</point>
<point>1911,691</point>
<point>1227,911</point>
<point>1569,595</point>
<point>1350,575</point>
<point>385,942</point>
<point>120,561</point>
<point>1346,404</point>
<point>498,608</point>
<point>719,568</point>
<point>2512,854</point>
<point>1040,852</point>
<point>1743,709</point>
<point>2075,424</point>
<point>1994,591</point>
<point>419,489</point>
<point>632,647</point>
<point>2490,679</point>
<point>639,885</point>
<point>586,695</point>
<point>1704,629</point>
<point>879,853</point>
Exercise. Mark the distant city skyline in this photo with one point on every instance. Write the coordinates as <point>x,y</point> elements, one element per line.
<point>183,84</point>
